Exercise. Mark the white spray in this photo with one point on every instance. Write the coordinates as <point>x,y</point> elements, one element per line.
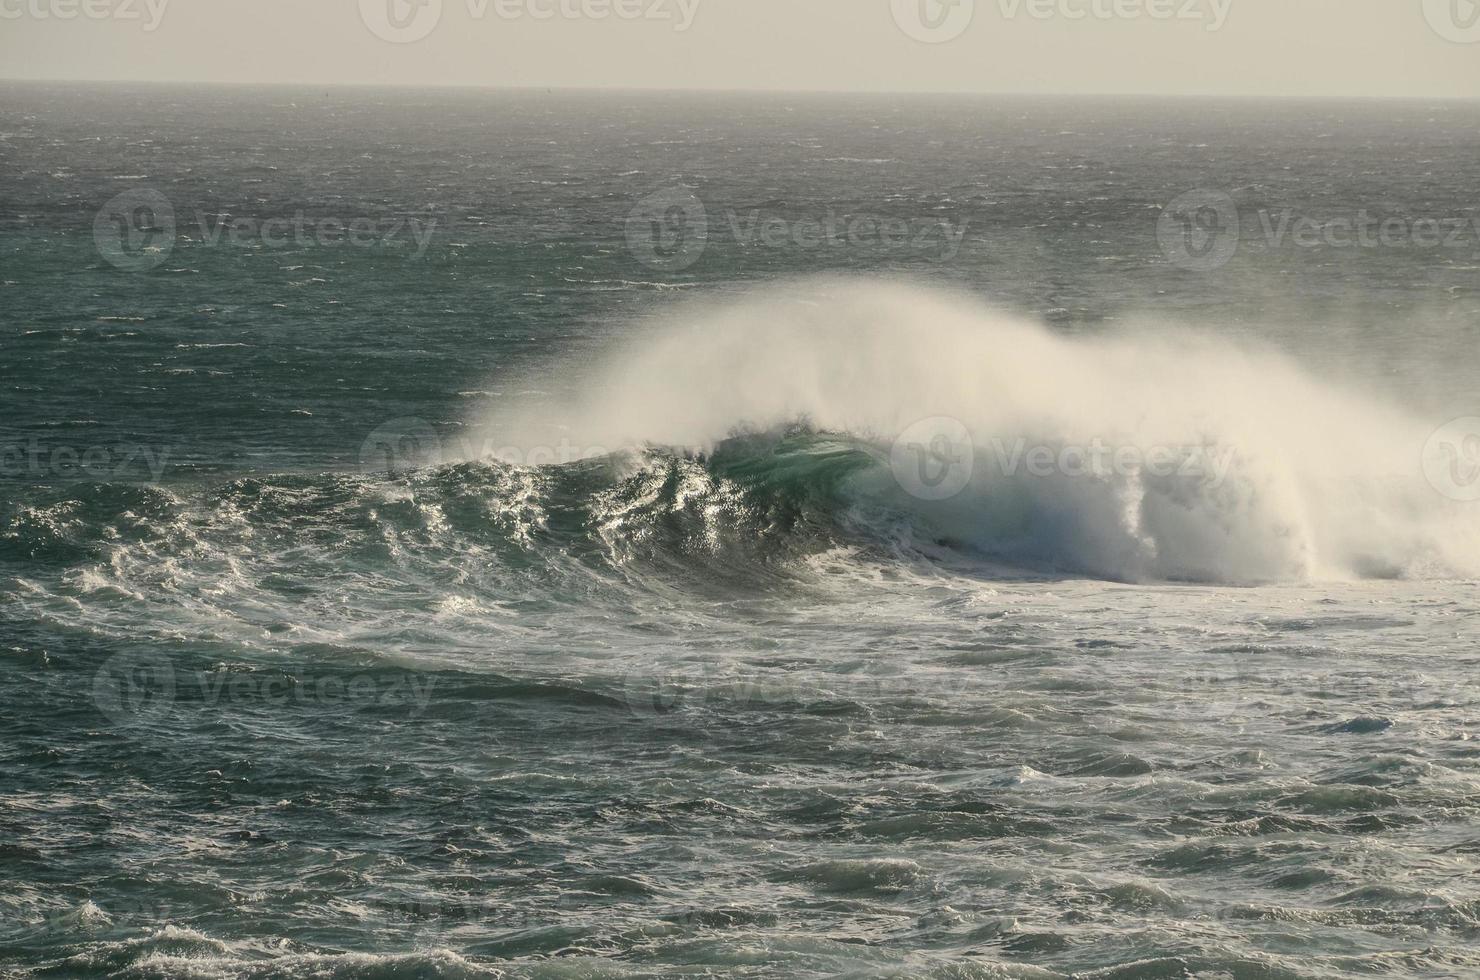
<point>1300,479</point>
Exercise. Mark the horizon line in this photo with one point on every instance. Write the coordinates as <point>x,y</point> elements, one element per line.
<point>719,90</point>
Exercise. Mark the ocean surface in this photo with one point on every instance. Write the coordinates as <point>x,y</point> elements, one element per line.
<point>527,534</point>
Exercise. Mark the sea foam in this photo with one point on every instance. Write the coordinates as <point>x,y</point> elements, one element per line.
<point>1130,455</point>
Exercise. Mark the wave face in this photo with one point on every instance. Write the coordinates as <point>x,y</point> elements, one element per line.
<point>1135,456</point>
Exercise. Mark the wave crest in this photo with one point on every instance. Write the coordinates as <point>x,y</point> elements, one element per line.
<point>1295,478</point>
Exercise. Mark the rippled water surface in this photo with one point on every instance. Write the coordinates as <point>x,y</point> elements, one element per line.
<point>314,669</point>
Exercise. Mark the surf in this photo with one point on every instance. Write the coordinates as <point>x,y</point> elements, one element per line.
<point>1267,472</point>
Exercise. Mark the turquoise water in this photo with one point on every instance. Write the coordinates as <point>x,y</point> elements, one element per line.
<point>428,548</point>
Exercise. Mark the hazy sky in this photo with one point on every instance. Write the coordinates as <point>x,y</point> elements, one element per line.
<point>1272,47</point>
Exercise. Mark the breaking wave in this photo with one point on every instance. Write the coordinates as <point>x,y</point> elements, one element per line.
<point>926,418</point>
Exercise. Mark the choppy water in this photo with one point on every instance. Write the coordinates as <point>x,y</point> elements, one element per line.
<point>533,580</point>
